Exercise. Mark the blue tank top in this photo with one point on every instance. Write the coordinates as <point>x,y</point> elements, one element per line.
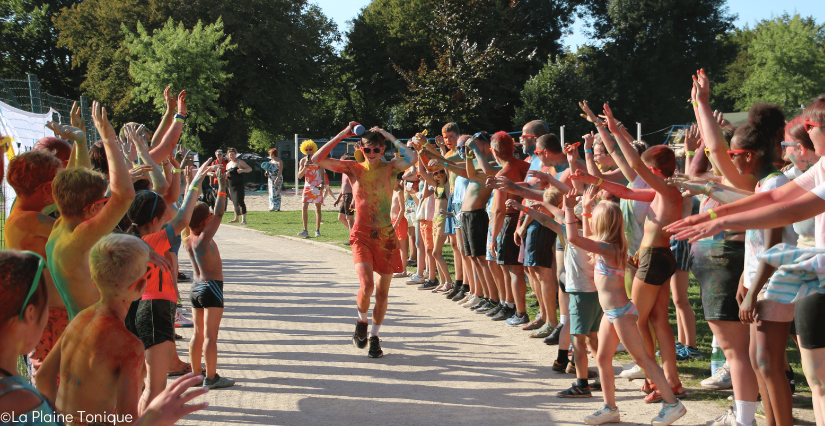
<point>39,414</point>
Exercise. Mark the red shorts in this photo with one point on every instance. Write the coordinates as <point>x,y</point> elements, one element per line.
<point>58,321</point>
<point>427,233</point>
<point>401,228</point>
<point>378,246</point>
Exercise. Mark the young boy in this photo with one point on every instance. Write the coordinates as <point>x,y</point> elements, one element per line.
<point>374,243</point>
<point>99,360</point>
<point>207,287</point>
<point>86,215</point>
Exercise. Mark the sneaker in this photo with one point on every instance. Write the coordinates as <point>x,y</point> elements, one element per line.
<point>375,348</point>
<point>453,292</point>
<point>463,302</point>
<point>542,332</point>
<point>621,348</point>
<point>575,392</point>
<point>497,307</point>
<point>462,293</point>
<point>504,313</point>
<point>415,279</point>
<point>482,303</point>
<point>519,321</point>
<point>346,243</point>
<point>410,262</point>
<point>473,300</point>
<point>182,277</point>
<point>679,347</point>
<point>359,338</point>
<point>720,380</point>
<point>401,274</point>
<point>791,381</point>
<point>726,419</point>
<point>603,415</point>
<point>489,306</point>
<point>669,414</point>
<point>634,373</point>
<point>428,285</point>
<point>317,233</point>
<point>559,367</point>
<point>218,382</point>
<point>571,368</point>
<point>553,338</point>
<point>304,234</point>
<point>182,321</point>
<point>690,353</point>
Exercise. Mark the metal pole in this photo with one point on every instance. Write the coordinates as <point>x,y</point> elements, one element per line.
<point>34,94</point>
<point>638,131</point>
<point>561,132</point>
<point>296,164</point>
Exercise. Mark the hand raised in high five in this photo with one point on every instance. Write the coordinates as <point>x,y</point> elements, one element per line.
<point>169,99</point>
<point>570,199</point>
<point>102,124</point>
<point>75,118</point>
<point>692,137</point>
<point>182,102</point>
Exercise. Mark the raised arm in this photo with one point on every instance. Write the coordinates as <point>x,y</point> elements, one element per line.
<point>193,184</point>
<point>547,179</point>
<point>322,158</point>
<point>220,207</point>
<point>572,232</point>
<point>609,143</point>
<point>80,152</point>
<point>159,182</point>
<point>171,136</point>
<point>408,156</point>
<point>78,122</point>
<point>425,174</point>
<point>573,161</point>
<point>483,164</point>
<point>168,116</point>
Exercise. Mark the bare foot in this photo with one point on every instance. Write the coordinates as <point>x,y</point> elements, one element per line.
<point>233,221</point>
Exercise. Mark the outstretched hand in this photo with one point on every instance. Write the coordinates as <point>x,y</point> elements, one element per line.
<point>75,118</point>
<point>169,99</point>
<point>584,177</point>
<point>170,405</point>
<point>139,172</point>
<point>182,102</point>
<point>499,182</point>
<point>71,133</point>
<point>590,196</point>
<point>515,205</point>
<point>540,176</point>
<point>692,137</point>
<point>102,124</point>
<point>588,114</point>
<point>570,199</point>
<point>202,170</point>
<point>702,84</point>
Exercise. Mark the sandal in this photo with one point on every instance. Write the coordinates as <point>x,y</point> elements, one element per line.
<point>648,388</point>
<point>656,396</point>
<point>185,370</point>
<point>443,288</point>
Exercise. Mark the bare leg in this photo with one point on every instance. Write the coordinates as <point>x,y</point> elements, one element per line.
<point>367,281</point>
<point>664,335</point>
<point>343,219</point>
<point>536,285</point>
<point>457,258</point>
<point>422,253</point>
<point>608,342</point>
<point>580,355</point>
<point>304,207</point>
<point>768,361</point>
<point>629,334</point>
<point>212,321</point>
<point>196,343</point>
<point>549,293</point>
<point>318,217</point>
<point>438,258</point>
<point>813,364</point>
<point>411,242</point>
<point>382,291</point>
<point>686,318</point>
<point>157,366</point>
<point>518,287</point>
<point>498,280</point>
<point>734,338</point>
<point>404,250</point>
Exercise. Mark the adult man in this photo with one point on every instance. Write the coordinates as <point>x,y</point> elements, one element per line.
<point>373,240</point>
<point>452,226</point>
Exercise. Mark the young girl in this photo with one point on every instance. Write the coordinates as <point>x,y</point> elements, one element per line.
<point>440,193</point>
<point>608,249</point>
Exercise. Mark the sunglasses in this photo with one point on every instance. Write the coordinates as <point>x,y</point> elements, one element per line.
<point>144,277</point>
<point>809,125</point>
<point>439,172</point>
<point>734,152</point>
<point>40,266</point>
<point>540,151</point>
<point>101,201</point>
<point>787,144</point>
<point>371,150</point>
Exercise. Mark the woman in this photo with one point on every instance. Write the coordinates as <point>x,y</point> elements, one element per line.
<point>346,212</point>
<point>275,179</point>
<point>235,168</point>
<point>313,176</point>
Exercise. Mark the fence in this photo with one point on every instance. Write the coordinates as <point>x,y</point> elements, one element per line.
<point>27,96</point>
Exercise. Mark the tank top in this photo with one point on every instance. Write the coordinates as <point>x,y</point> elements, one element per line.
<point>159,283</point>
<point>44,410</point>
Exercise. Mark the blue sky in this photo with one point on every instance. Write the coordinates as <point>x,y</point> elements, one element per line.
<point>749,11</point>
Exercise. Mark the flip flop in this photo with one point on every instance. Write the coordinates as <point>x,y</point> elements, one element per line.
<point>185,370</point>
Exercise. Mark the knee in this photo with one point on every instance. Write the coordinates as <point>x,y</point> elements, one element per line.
<point>380,297</point>
<point>210,341</point>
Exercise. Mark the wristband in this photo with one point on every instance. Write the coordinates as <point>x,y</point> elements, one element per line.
<point>599,182</point>
<point>690,153</point>
<point>180,118</point>
<point>588,151</point>
<point>177,170</point>
<point>712,214</point>
<point>194,188</point>
<point>694,103</point>
<point>587,215</point>
<point>221,194</point>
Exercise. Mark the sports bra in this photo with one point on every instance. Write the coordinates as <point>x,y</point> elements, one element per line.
<point>602,269</point>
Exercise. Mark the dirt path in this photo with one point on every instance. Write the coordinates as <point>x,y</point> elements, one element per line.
<point>286,339</point>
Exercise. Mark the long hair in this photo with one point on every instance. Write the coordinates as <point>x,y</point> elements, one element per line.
<point>607,225</point>
<point>147,206</point>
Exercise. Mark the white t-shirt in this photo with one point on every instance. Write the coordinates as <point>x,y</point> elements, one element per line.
<point>634,214</point>
<point>578,269</point>
<point>755,238</point>
<point>814,180</point>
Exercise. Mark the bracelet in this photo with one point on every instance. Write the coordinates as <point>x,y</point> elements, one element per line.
<point>712,213</point>
<point>221,194</point>
<point>180,118</point>
<point>177,170</point>
<point>587,215</point>
<point>694,103</point>
<point>570,223</point>
<point>194,188</point>
<point>599,182</point>
<point>588,151</point>
<point>690,153</point>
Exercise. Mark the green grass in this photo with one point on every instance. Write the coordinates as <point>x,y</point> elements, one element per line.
<point>691,372</point>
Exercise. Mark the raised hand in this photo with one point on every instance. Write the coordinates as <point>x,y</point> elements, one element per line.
<point>182,102</point>
<point>139,172</point>
<point>590,196</point>
<point>383,132</point>
<point>75,118</point>
<point>71,133</point>
<point>439,140</point>
<point>608,113</point>
<point>702,84</point>
<point>719,116</point>
<point>570,199</point>
<point>221,175</point>
<point>584,177</point>
<point>513,204</point>
<point>588,140</point>
<point>692,137</point>
<point>169,99</point>
<point>102,124</point>
<point>542,177</point>
<point>135,137</point>
<point>202,170</point>
<point>588,114</point>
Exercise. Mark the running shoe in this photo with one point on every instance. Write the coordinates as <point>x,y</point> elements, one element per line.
<point>359,338</point>
<point>726,419</point>
<point>453,292</point>
<point>182,278</point>
<point>489,306</point>
<point>518,321</point>
<point>669,414</point>
<point>560,367</point>
<point>553,338</point>
<point>571,366</point>
<point>634,373</point>
<point>304,234</point>
<point>218,382</point>
<point>542,332</point>
<point>482,303</point>
<point>688,353</point>
<point>375,348</point>
<point>720,380</point>
<point>603,415</point>
<point>415,279</point>
<point>575,392</point>
<point>428,285</point>
<point>182,321</point>
<point>462,293</point>
<point>464,300</point>
<point>495,310</point>
<point>471,301</point>
<point>679,347</point>
<point>317,233</point>
<point>504,313</point>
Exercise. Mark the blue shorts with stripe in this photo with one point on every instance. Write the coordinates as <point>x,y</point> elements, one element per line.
<point>207,294</point>
<point>681,249</point>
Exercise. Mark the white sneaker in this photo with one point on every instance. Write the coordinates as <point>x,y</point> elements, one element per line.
<point>466,299</point>
<point>181,321</point>
<point>634,373</point>
<point>720,380</point>
<point>317,233</point>
<point>416,279</point>
<point>304,234</point>
<point>727,419</point>
<point>669,414</point>
<point>472,301</point>
<point>620,348</point>
<point>602,416</point>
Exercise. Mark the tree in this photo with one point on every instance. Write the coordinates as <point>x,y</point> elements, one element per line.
<point>786,63</point>
<point>182,59</point>
<point>28,44</point>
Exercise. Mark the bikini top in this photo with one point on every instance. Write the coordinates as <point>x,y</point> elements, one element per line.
<point>602,269</point>
<point>440,193</point>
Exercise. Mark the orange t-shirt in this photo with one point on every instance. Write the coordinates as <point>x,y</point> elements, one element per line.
<point>159,283</point>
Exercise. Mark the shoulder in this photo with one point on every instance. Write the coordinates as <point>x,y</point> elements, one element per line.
<point>21,400</point>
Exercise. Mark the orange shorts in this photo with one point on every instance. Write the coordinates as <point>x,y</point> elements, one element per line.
<point>378,246</point>
<point>427,233</point>
<point>402,228</point>
<point>58,321</point>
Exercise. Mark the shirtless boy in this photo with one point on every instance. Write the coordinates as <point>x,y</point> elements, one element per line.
<point>373,240</point>
<point>31,175</point>
<point>207,287</point>
<point>99,360</point>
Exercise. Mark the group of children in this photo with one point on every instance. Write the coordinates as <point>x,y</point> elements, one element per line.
<point>90,277</point>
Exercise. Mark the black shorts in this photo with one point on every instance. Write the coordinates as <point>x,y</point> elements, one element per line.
<point>155,321</point>
<point>131,318</point>
<point>207,294</point>
<point>656,265</point>
<point>475,224</point>
<point>345,202</point>
<point>507,253</point>
<point>718,265</point>
<point>809,317</point>
<point>539,244</point>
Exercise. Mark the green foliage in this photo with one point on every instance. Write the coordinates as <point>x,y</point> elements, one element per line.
<point>174,56</point>
<point>786,63</point>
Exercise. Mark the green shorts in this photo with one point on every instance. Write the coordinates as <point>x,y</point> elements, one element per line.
<point>585,312</point>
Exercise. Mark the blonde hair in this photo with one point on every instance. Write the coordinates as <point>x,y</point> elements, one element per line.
<point>552,196</point>
<point>308,143</point>
<point>118,260</point>
<point>607,225</point>
<point>74,189</point>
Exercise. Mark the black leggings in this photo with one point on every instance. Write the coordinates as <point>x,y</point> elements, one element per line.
<point>236,192</point>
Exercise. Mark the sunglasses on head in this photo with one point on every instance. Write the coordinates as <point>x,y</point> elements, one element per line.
<point>734,152</point>
<point>40,266</point>
<point>787,144</point>
<point>101,201</point>
<point>810,124</point>
<point>371,150</point>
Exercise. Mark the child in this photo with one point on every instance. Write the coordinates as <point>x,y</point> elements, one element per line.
<point>440,193</point>
<point>608,250</point>
<point>399,220</point>
<point>99,360</point>
<point>207,287</point>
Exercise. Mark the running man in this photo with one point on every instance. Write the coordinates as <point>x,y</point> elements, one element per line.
<point>373,240</point>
